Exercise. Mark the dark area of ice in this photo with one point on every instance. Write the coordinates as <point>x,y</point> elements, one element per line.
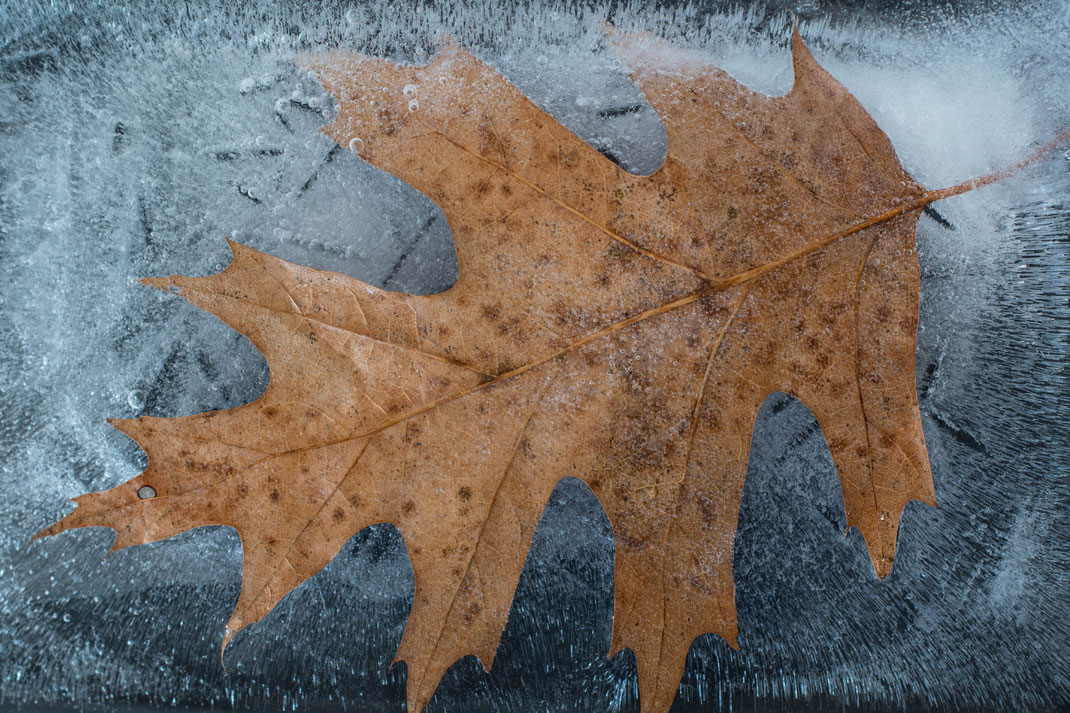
<point>133,139</point>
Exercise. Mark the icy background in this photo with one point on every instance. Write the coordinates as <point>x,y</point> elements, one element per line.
<point>132,140</point>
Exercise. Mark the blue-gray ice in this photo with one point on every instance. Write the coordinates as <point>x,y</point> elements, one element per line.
<point>133,139</point>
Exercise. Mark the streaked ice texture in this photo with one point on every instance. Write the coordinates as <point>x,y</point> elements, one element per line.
<point>132,140</point>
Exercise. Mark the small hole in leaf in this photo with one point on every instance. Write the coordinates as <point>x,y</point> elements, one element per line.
<point>146,491</point>
<point>174,288</point>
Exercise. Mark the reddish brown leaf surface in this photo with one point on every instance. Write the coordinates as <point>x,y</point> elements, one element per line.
<point>617,328</point>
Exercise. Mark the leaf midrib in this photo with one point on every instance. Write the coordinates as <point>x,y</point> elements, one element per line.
<point>711,287</point>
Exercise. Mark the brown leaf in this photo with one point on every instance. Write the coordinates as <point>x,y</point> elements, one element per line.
<point>617,328</point>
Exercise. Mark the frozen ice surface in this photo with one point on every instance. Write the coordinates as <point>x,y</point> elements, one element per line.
<point>133,139</point>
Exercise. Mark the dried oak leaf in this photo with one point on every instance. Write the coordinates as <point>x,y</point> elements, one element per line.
<point>617,328</point>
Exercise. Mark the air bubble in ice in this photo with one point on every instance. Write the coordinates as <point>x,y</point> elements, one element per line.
<point>136,399</point>
<point>356,145</point>
<point>352,16</point>
<point>409,91</point>
<point>414,106</point>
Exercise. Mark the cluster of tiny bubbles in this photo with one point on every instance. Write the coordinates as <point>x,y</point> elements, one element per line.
<point>346,251</point>
<point>302,96</point>
<point>410,92</point>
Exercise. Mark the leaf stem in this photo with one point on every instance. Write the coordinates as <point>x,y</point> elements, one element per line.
<point>967,186</point>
